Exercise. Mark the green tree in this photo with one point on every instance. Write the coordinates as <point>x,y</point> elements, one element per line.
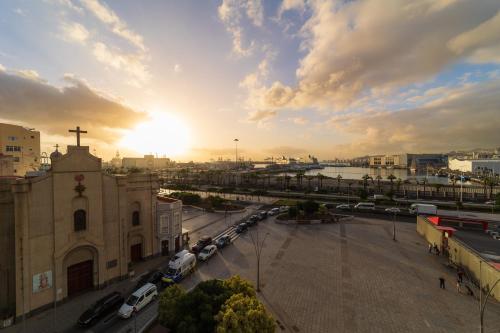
<point>243,314</point>
<point>236,285</point>
<point>168,314</point>
<point>309,207</point>
<point>365,181</point>
<point>339,178</point>
<point>293,212</point>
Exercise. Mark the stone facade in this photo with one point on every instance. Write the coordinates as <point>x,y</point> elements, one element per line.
<point>169,220</point>
<point>77,227</point>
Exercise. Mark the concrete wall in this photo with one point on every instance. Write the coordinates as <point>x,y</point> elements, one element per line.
<point>7,243</point>
<point>464,256</point>
<point>429,232</point>
<point>467,257</point>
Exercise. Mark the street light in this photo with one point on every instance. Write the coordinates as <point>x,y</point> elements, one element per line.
<point>236,151</point>
<point>482,304</point>
<point>394,226</point>
<point>257,245</point>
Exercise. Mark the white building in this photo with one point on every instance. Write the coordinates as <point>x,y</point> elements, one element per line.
<point>23,145</point>
<point>147,162</point>
<point>169,220</point>
<point>484,166</point>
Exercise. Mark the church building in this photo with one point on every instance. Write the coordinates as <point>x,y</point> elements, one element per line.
<point>73,229</point>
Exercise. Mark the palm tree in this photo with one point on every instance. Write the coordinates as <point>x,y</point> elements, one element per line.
<point>339,178</point>
<point>391,178</point>
<point>453,183</point>
<point>299,175</point>
<point>492,182</point>
<point>320,180</point>
<point>398,184</point>
<point>379,178</point>
<point>309,179</point>
<point>365,181</point>
<point>287,181</point>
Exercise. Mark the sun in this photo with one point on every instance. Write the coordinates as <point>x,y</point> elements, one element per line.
<point>163,134</point>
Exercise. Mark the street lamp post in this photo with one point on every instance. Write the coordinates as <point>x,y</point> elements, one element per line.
<point>257,245</point>
<point>236,151</point>
<point>394,227</point>
<point>482,303</point>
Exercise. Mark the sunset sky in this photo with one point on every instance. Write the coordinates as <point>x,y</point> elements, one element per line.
<point>184,78</point>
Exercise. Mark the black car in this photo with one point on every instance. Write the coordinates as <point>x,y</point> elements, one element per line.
<point>201,243</point>
<point>106,305</point>
<point>153,277</point>
<point>223,241</point>
<point>241,228</point>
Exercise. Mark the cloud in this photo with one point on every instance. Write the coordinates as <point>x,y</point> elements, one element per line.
<point>299,120</point>
<point>66,4</point>
<point>54,110</point>
<point>287,5</point>
<point>177,68</point>
<point>231,12</point>
<point>261,115</point>
<point>131,63</point>
<point>116,25</point>
<point>2,68</point>
<point>465,117</point>
<point>74,32</point>
<point>369,47</point>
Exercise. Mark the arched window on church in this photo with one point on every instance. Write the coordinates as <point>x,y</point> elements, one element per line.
<point>80,220</point>
<point>136,218</point>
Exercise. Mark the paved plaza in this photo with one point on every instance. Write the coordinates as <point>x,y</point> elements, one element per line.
<point>347,277</point>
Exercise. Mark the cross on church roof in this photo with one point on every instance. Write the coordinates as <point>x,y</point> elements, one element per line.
<point>78,131</point>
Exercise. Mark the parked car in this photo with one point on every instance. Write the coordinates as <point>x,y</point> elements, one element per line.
<point>207,252</point>
<point>252,221</point>
<point>283,209</point>
<point>201,243</point>
<point>138,300</point>
<point>223,241</point>
<point>343,207</point>
<point>242,227</point>
<point>104,306</point>
<point>273,211</point>
<point>491,202</point>
<point>153,277</point>
<point>178,256</point>
<point>393,210</point>
<point>262,215</point>
<point>365,206</point>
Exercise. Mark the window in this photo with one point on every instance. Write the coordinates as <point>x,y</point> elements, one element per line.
<point>164,224</point>
<point>12,148</point>
<point>80,220</point>
<point>136,218</point>
<point>11,138</point>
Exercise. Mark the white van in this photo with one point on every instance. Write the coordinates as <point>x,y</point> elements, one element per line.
<point>138,300</point>
<point>423,209</point>
<point>365,206</point>
<point>176,259</point>
<point>181,267</point>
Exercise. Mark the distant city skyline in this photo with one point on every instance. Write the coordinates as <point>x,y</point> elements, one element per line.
<point>184,79</point>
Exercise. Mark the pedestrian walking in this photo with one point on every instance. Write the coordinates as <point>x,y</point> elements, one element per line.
<point>459,287</point>
<point>460,274</point>
<point>441,282</point>
<point>437,251</point>
<point>430,248</point>
<point>469,291</point>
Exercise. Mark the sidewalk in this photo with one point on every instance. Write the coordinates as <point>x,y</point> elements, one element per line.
<point>68,313</point>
